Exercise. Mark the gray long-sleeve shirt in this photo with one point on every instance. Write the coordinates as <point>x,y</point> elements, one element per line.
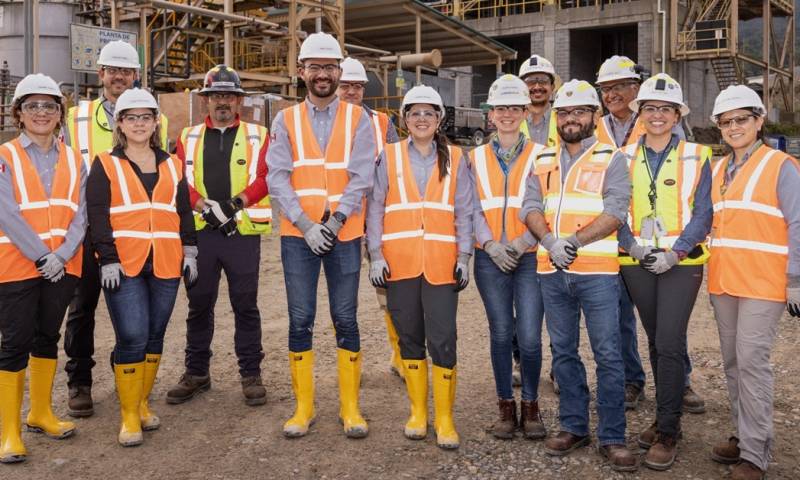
<point>421,167</point>
<point>279,161</point>
<point>616,185</point>
<point>14,225</point>
<point>539,132</point>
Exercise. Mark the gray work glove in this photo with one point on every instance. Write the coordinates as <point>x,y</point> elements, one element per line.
<point>660,261</point>
<point>320,239</point>
<point>378,271</point>
<point>190,272</point>
<point>334,225</point>
<point>520,246</point>
<point>502,255</point>
<point>212,213</point>
<point>562,252</point>
<point>793,296</point>
<point>461,272</point>
<point>110,277</point>
<point>639,252</point>
<point>50,267</point>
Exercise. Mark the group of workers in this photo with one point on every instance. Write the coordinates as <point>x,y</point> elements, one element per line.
<point>568,213</point>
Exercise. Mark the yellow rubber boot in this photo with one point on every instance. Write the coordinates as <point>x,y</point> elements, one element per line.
<point>150,420</point>
<point>301,365</point>
<point>444,395</point>
<point>130,383</point>
<point>349,384</point>
<point>41,418</point>
<point>12,450</point>
<point>396,364</point>
<point>417,386</point>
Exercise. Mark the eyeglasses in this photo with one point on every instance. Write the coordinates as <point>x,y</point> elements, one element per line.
<point>217,96</point>
<point>49,108</point>
<point>734,122</point>
<point>618,88</point>
<point>316,68</point>
<point>114,71</point>
<point>662,109</point>
<point>514,109</point>
<point>575,112</point>
<point>133,118</point>
<point>543,81</point>
<point>422,115</point>
<point>352,86</point>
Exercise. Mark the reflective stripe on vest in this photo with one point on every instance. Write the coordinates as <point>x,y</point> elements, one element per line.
<point>575,202</point>
<point>603,132</point>
<point>253,220</point>
<point>48,216</point>
<point>676,184</point>
<point>381,130</point>
<point>319,179</point>
<point>419,236</point>
<point>749,236</point>
<point>140,224</point>
<point>501,203</point>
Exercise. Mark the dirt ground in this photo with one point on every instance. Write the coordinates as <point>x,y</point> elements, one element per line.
<point>216,436</point>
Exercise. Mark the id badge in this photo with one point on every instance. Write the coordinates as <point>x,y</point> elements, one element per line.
<point>648,228</point>
<point>660,229</point>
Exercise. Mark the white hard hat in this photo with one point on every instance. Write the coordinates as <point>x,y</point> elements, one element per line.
<point>537,64</point>
<point>119,54</point>
<point>353,71</point>
<point>134,98</point>
<point>736,97</point>
<point>320,45</point>
<point>423,94</point>
<point>36,83</point>
<point>576,93</point>
<point>508,90</point>
<point>660,87</point>
<point>617,68</point>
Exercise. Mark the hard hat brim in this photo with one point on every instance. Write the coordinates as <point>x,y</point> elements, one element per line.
<point>206,90</point>
<point>121,65</point>
<point>634,105</point>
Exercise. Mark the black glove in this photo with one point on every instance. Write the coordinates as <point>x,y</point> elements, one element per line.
<point>228,228</point>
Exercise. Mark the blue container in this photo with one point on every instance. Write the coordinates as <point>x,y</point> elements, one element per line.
<point>777,142</point>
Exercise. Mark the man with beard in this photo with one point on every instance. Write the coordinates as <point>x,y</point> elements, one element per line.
<point>574,202</point>
<point>225,162</point>
<point>89,129</point>
<point>321,166</point>
<point>618,81</point>
<point>539,75</point>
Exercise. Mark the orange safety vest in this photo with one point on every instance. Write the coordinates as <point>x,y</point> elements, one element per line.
<point>419,235</point>
<point>603,133</point>
<point>749,236</point>
<point>49,217</point>
<point>574,203</point>
<point>380,125</point>
<point>139,223</point>
<point>320,179</point>
<point>500,195</point>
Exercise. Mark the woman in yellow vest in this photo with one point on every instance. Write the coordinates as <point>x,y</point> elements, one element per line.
<point>419,236</point>
<point>753,273</point>
<point>505,257</point>
<point>42,184</point>
<point>670,217</point>
<point>143,230</point>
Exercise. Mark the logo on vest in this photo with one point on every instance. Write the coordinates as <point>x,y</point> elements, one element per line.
<point>669,182</point>
<point>241,161</point>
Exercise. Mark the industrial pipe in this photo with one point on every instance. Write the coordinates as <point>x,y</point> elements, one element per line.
<point>663,14</point>
<point>431,59</point>
<point>230,17</point>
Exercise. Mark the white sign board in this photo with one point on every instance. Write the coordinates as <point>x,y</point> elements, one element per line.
<point>87,41</point>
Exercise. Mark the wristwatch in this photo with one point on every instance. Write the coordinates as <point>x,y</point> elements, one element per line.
<point>340,217</point>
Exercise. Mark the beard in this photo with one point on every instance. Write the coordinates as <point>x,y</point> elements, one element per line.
<point>223,114</point>
<point>573,136</point>
<point>323,91</point>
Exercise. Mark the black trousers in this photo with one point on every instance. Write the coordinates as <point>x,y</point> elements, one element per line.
<point>239,257</point>
<point>424,313</point>
<point>31,313</point>
<point>79,331</point>
<point>665,304</point>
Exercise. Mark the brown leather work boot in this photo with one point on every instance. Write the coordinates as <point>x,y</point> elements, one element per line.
<point>662,454</point>
<point>726,453</point>
<point>745,470</point>
<point>692,402</point>
<point>564,443</point>
<point>80,403</point>
<point>187,388</point>
<point>506,425</point>
<point>254,392</point>
<point>619,458</point>
<point>633,394</point>
<point>531,421</point>
<point>647,438</point>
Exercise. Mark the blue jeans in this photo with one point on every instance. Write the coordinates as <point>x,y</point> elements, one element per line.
<point>513,305</point>
<point>140,312</point>
<point>301,274</point>
<point>565,295</point>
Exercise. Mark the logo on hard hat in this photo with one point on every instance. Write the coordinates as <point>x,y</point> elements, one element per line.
<point>568,93</point>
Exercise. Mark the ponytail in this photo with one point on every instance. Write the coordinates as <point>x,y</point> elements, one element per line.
<point>442,154</point>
